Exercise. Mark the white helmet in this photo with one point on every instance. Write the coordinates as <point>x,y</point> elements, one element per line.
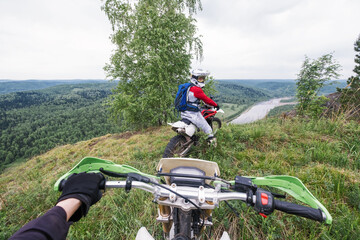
<point>195,74</point>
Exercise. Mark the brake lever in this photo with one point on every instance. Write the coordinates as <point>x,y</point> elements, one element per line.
<point>113,174</point>
<point>278,195</point>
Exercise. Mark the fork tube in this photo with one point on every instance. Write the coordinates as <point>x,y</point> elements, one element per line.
<point>182,222</point>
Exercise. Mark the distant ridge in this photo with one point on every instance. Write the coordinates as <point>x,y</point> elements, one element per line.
<point>9,86</point>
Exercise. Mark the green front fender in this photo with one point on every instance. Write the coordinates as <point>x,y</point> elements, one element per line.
<point>294,187</point>
<point>93,165</point>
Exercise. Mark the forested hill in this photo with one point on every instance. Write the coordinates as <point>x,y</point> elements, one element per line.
<point>236,93</point>
<point>281,87</point>
<point>8,86</point>
<point>33,122</point>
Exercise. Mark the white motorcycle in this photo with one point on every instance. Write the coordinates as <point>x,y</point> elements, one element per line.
<point>181,144</point>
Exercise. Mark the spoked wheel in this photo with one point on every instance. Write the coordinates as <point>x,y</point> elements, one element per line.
<point>177,147</point>
<point>215,124</point>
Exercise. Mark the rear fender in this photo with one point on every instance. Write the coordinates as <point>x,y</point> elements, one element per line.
<point>183,128</point>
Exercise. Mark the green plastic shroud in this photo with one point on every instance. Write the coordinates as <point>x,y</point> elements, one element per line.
<point>291,185</point>
<point>93,165</point>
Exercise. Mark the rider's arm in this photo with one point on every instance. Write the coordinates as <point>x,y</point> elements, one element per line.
<point>199,93</point>
<point>70,205</point>
<point>52,225</point>
<point>79,193</point>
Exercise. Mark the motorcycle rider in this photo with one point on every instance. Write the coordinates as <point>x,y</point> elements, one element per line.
<point>196,94</point>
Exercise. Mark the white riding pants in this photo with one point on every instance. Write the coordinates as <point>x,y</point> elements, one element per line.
<point>197,119</point>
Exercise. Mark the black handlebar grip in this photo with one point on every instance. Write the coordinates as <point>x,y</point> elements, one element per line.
<point>102,184</point>
<point>303,211</point>
<point>61,185</point>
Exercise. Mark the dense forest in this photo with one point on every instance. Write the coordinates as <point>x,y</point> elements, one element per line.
<point>236,93</point>
<point>33,122</point>
<point>8,86</point>
<point>273,88</point>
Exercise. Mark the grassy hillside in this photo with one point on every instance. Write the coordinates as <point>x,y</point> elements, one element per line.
<point>324,154</point>
<point>33,122</point>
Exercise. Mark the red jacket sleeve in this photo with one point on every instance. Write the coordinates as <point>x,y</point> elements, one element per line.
<point>199,93</point>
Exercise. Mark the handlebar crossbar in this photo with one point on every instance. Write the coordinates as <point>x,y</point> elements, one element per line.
<point>209,198</point>
<point>201,195</point>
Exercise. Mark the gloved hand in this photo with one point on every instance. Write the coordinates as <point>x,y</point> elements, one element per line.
<point>85,187</point>
<point>217,107</point>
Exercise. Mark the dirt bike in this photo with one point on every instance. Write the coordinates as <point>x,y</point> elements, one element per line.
<point>187,190</point>
<point>181,144</point>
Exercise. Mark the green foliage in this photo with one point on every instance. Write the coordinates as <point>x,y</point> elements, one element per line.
<point>350,96</point>
<point>154,40</point>
<point>316,107</point>
<point>314,74</point>
<point>279,110</point>
<point>33,122</point>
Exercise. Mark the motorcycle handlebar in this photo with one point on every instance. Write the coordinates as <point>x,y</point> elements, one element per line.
<point>299,210</point>
<point>211,195</point>
<point>189,192</point>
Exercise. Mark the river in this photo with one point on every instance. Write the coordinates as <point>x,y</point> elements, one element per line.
<point>259,111</point>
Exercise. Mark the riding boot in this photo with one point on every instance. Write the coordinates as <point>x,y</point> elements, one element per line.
<point>212,141</point>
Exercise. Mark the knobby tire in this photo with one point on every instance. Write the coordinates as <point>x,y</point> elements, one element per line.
<point>175,147</point>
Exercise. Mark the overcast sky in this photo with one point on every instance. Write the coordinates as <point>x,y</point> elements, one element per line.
<point>243,39</point>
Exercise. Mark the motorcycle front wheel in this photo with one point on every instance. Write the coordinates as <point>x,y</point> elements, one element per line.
<point>177,147</point>
<point>215,124</point>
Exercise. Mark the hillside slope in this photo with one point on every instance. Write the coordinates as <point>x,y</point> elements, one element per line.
<point>324,154</point>
<point>33,122</point>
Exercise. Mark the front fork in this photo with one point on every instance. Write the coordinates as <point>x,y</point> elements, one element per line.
<point>209,120</point>
<point>185,223</point>
<point>182,222</point>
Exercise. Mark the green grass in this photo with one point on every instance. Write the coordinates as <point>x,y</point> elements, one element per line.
<point>279,110</point>
<point>290,100</point>
<point>324,154</point>
<point>231,110</point>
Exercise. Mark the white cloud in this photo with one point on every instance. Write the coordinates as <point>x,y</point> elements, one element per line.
<point>53,39</point>
<point>268,39</point>
<point>48,39</point>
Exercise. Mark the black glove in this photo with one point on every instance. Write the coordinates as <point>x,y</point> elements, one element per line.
<point>85,187</point>
<point>217,107</point>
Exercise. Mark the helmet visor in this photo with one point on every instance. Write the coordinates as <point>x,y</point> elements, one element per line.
<point>201,79</point>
